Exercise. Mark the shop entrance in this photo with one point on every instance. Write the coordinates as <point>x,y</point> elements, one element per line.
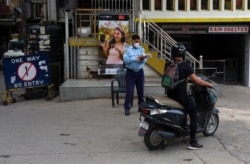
<point>221,50</point>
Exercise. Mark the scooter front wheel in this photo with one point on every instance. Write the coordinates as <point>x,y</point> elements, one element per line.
<point>212,125</point>
<point>153,140</point>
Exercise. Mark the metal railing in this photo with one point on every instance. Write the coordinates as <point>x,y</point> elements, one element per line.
<point>226,69</point>
<point>160,41</point>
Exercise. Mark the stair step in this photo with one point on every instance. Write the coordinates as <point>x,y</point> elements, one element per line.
<point>72,90</point>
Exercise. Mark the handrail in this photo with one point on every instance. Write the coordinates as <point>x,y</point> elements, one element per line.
<point>160,41</point>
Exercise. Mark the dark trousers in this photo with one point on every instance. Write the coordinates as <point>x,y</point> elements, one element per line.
<point>134,79</point>
<point>190,106</point>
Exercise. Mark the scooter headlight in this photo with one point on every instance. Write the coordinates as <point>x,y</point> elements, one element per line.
<point>158,111</point>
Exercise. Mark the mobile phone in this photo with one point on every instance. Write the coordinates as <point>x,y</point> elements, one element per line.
<point>102,38</point>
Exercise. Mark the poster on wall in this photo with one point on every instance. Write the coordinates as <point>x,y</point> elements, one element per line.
<point>113,34</point>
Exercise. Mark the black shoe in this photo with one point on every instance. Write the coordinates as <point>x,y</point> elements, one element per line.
<point>139,110</point>
<point>194,145</point>
<point>127,113</point>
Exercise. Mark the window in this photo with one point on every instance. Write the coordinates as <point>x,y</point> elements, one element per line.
<point>36,10</point>
<point>239,4</point>
<point>193,5</point>
<point>145,4</point>
<point>181,5</point>
<point>204,4</point>
<point>216,4</point>
<point>170,5</point>
<point>228,5</point>
<point>158,5</point>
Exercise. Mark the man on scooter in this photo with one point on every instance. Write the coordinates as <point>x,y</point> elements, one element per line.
<point>179,93</point>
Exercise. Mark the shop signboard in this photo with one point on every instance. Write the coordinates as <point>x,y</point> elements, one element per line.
<point>205,29</point>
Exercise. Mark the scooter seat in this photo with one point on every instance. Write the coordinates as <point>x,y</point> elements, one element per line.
<point>168,101</point>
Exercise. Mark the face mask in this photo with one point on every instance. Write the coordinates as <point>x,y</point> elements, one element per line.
<point>136,45</point>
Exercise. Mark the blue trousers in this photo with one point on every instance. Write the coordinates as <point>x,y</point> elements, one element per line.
<point>134,79</point>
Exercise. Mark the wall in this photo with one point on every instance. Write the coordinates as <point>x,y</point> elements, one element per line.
<point>71,6</point>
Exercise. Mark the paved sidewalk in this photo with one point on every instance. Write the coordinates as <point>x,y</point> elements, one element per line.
<point>91,131</point>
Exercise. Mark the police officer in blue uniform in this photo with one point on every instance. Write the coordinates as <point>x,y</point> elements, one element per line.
<point>134,59</point>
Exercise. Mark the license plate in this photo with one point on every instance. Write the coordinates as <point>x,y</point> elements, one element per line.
<point>144,125</point>
<point>143,128</point>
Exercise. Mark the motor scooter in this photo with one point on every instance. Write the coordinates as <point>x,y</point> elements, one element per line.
<point>163,119</point>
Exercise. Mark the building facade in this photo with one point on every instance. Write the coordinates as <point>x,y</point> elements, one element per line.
<point>217,30</point>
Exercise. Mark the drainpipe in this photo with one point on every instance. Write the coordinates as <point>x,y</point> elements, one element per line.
<point>140,17</point>
<point>66,46</point>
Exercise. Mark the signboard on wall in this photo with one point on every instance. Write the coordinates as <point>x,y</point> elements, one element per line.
<point>206,29</point>
<point>80,42</point>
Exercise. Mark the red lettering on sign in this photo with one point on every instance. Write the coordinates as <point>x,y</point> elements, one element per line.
<point>215,29</point>
<point>121,17</point>
<point>229,29</point>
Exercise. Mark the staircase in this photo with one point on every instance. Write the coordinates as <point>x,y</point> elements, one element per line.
<point>158,43</point>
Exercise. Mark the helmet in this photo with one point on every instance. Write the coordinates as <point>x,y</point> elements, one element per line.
<point>178,50</point>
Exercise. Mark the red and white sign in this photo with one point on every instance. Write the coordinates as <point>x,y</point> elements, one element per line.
<point>228,29</point>
<point>27,71</point>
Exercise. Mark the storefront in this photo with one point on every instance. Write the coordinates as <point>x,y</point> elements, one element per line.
<point>227,44</point>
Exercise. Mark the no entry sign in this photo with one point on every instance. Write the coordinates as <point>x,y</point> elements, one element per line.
<point>26,71</point>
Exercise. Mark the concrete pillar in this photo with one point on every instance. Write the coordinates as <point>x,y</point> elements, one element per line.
<point>247,57</point>
<point>52,11</point>
<point>66,46</point>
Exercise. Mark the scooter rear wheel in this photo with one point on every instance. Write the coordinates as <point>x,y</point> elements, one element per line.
<point>153,140</point>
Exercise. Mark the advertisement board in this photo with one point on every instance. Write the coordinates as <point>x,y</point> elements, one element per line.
<point>113,34</point>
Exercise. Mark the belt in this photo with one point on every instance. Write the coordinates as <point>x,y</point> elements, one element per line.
<point>131,70</point>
